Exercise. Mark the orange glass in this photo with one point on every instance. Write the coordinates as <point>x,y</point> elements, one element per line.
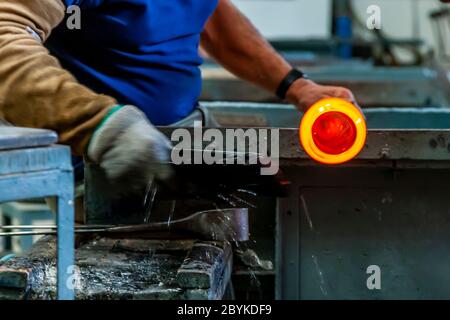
<point>333,131</point>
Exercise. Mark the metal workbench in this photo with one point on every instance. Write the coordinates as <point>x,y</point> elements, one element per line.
<point>389,207</point>
<point>32,166</point>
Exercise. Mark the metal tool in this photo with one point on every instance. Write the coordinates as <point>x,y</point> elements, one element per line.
<point>220,225</point>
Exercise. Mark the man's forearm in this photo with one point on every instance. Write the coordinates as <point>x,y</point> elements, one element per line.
<point>232,40</point>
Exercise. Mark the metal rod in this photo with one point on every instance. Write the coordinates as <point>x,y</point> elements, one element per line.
<point>26,227</point>
<point>26,233</point>
<point>52,227</point>
<point>43,233</point>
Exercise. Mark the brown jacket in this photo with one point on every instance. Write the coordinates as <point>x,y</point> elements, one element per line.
<point>34,89</point>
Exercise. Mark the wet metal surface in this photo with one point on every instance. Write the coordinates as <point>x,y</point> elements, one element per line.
<point>205,262</point>
<point>123,269</point>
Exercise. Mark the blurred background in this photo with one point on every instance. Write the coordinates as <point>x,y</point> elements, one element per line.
<point>384,51</point>
<point>405,23</point>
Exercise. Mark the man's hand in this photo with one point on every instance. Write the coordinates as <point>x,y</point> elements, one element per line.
<point>130,150</point>
<point>304,93</point>
<point>233,41</point>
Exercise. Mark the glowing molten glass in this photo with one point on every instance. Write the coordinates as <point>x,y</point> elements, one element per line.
<point>334,132</point>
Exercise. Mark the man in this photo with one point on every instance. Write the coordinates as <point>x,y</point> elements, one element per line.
<point>138,53</point>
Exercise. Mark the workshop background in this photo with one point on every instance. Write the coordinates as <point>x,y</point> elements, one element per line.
<point>322,236</point>
<point>401,19</point>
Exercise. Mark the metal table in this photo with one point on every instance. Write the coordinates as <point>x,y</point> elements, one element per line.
<point>389,207</point>
<point>31,166</point>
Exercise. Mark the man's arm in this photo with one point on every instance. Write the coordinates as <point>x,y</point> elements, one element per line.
<point>232,40</point>
<point>34,90</point>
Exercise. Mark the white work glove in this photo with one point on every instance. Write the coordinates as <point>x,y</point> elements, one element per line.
<point>130,150</point>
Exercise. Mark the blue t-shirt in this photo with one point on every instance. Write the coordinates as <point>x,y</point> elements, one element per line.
<point>141,52</point>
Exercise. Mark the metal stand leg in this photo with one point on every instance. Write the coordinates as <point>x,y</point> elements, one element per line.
<point>32,167</point>
<point>66,241</point>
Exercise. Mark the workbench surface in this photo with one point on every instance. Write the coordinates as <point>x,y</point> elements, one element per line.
<point>112,269</point>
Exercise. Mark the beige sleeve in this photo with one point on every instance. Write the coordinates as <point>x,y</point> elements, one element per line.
<point>35,91</point>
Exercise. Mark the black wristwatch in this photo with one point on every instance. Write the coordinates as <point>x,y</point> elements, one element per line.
<point>287,82</point>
